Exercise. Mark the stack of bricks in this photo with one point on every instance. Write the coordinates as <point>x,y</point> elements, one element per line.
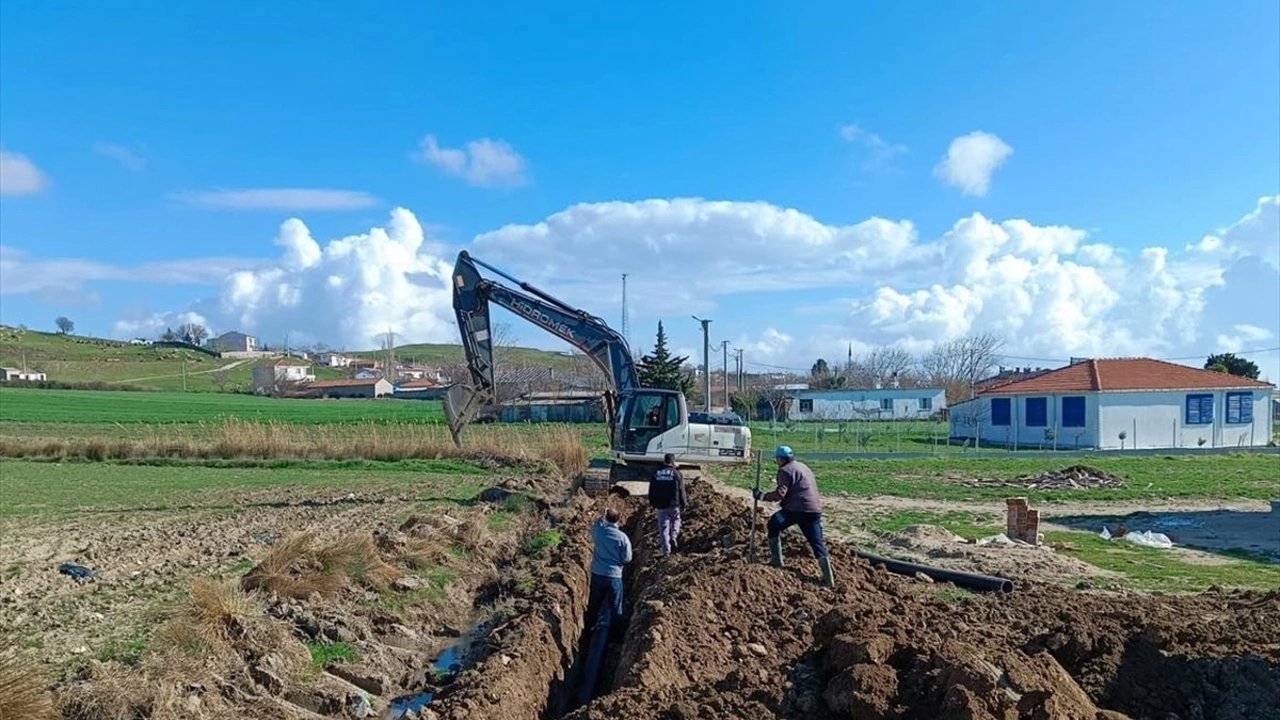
<point>1021,522</point>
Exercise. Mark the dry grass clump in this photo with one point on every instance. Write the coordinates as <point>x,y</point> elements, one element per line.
<point>211,635</point>
<point>23,687</point>
<point>236,439</point>
<point>217,613</point>
<point>420,553</point>
<point>564,448</point>
<point>300,566</point>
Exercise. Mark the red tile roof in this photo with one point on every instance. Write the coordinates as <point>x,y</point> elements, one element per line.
<point>420,383</point>
<point>344,383</point>
<point>1113,374</point>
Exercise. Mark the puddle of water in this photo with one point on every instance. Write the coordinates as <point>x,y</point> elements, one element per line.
<point>401,706</point>
<point>448,664</point>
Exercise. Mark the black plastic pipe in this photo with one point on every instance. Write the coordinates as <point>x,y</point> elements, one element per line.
<point>963,579</point>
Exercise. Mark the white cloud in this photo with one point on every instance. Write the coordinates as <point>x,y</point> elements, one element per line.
<point>348,290</point>
<point>19,175</point>
<point>683,252</point>
<point>1046,288</point>
<point>879,152</point>
<point>153,325</point>
<point>483,162</point>
<point>1256,234</point>
<point>23,274</point>
<point>1244,337</point>
<point>280,199</point>
<point>121,154</point>
<point>971,160</point>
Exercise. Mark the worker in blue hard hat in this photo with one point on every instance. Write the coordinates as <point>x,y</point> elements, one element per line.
<point>797,494</point>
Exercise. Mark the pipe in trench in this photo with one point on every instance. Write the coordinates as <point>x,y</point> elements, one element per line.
<point>973,581</point>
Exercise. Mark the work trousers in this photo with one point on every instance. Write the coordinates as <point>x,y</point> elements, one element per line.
<point>810,524</point>
<point>604,604</point>
<point>668,528</point>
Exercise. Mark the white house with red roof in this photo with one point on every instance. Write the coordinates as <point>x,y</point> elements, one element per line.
<point>1119,403</point>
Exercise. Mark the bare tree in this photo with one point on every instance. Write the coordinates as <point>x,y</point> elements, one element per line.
<point>957,365</point>
<point>65,325</point>
<point>886,364</point>
<point>193,333</point>
<point>221,377</point>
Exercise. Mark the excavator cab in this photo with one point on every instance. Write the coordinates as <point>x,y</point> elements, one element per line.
<point>646,415</point>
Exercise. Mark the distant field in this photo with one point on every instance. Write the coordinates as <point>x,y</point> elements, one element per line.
<point>40,488</point>
<point>77,359</point>
<point>22,405</point>
<point>1249,476</point>
<point>922,436</point>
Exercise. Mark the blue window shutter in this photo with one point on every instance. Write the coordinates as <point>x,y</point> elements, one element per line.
<point>1000,411</point>
<point>1199,410</point>
<point>1239,408</point>
<point>1073,412</point>
<point>1037,412</point>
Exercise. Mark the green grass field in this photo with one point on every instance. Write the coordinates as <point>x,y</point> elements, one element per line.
<point>24,405</point>
<point>77,359</point>
<point>42,488</point>
<point>1142,568</point>
<point>1249,476</point>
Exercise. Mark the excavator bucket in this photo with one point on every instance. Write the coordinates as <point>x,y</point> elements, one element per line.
<point>461,405</point>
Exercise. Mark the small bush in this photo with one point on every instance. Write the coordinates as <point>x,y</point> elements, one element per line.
<point>324,653</point>
<point>544,541</point>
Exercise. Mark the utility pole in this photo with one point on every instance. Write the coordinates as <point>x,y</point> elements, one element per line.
<point>626,321</point>
<point>706,360</point>
<point>724,348</point>
<point>738,352</point>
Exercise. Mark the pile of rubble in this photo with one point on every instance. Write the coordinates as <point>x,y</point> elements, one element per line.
<point>1076,477</point>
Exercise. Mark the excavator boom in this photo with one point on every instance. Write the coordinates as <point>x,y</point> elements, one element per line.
<point>471,297</point>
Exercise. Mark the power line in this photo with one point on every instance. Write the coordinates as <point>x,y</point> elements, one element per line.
<point>1197,356</point>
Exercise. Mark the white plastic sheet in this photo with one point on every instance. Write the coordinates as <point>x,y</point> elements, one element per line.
<point>1146,538</point>
<point>1149,539</point>
<point>1000,539</point>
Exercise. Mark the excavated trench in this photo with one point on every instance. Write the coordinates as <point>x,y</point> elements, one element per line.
<point>708,634</point>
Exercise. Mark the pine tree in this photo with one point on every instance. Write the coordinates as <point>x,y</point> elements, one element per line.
<point>661,370</point>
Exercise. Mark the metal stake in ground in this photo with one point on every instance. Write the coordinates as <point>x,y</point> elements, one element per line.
<point>755,506</point>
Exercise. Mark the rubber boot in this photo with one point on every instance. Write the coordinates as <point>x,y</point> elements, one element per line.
<point>775,552</point>
<point>828,575</point>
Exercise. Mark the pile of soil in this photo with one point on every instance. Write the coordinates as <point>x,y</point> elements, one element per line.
<point>712,635</point>
<point>1076,477</point>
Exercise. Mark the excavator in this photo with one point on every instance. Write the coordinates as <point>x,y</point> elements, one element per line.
<point>644,423</point>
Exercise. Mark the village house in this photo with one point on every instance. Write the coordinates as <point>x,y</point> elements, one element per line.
<point>869,404</point>
<point>373,388</point>
<point>332,359</point>
<point>16,375</point>
<point>1120,403</point>
<point>423,389</point>
<point>570,406</point>
<point>234,342</point>
<point>271,378</point>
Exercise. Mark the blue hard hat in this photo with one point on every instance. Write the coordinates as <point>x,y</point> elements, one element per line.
<point>783,451</point>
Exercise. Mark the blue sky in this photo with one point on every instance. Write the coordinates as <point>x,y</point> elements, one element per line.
<point>153,155</point>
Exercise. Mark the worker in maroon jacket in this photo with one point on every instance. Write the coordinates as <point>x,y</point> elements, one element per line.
<point>797,493</point>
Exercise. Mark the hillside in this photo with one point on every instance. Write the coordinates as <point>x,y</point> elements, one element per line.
<point>436,354</point>
<point>79,359</point>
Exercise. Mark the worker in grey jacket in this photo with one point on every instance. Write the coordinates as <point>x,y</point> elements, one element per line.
<point>612,551</point>
<point>797,493</point>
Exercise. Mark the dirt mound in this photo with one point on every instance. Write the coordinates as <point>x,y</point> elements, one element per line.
<point>712,635</point>
<point>1076,477</point>
<point>915,536</point>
